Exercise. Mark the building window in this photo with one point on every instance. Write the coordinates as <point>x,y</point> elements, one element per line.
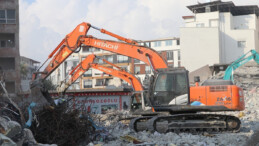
<point>171,65</point>
<point>170,55</point>
<point>98,60</point>
<point>109,58</point>
<point>241,44</point>
<point>179,55</point>
<point>87,83</point>
<point>75,63</point>
<point>157,44</point>
<point>179,64</point>
<point>200,25</point>
<point>99,82</point>
<point>147,69</point>
<point>122,59</point>
<point>97,50</point>
<point>87,49</point>
<point>107,81</point>
<point>136,61</point>
<point>147,44</point>
<point>7,63</point>
<point>7,40</point>
<point>169,42</point>
<point>7,16</point>
<point>177,42</point>
<point>88,73</point>
<point>137,69</point>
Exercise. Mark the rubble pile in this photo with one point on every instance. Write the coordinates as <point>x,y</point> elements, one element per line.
<point>245,77</point>
<point>56,125</point>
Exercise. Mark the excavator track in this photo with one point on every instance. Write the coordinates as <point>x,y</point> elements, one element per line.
<point>193,123</point>
<point>139,123</point>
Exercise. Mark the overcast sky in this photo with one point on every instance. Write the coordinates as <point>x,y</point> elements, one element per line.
<point>44,23</point>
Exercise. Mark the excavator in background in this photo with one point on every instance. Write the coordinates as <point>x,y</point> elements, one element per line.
<point>239,62</point>
<point>88,63</point>
<point>168,88</point>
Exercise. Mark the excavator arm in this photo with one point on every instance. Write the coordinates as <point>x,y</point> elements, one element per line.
<point>66,47</point>
<point>88,63</point>
<point>239,62</point>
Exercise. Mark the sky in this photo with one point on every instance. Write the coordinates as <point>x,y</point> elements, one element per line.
<point>44,23</point>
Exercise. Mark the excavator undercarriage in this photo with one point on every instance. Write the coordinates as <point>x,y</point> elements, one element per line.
<point>193,123</point>
<point>180,115</point>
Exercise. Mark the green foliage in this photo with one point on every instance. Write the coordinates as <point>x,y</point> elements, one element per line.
<point>24,70</point>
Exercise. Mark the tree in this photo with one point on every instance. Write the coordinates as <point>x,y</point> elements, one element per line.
<point>24,70</point>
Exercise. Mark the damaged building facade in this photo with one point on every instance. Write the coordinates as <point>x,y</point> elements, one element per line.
<point>9,45</point>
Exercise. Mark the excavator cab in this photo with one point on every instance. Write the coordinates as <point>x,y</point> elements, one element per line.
<point>170,87</point>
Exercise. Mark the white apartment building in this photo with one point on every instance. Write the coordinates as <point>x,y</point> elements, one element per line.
<point>169,48</point>
<point>218,33</point>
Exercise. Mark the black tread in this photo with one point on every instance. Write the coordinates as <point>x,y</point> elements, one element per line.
<point>225,120</point>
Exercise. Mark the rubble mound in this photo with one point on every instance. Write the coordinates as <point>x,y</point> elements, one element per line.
<point>55,125</point>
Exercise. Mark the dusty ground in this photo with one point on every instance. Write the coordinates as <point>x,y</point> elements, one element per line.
<point>246,77</point>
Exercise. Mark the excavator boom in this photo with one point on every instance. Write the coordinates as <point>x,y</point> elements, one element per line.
<point>67,46</point>
<point>145,54</point>
<point>88,63</point>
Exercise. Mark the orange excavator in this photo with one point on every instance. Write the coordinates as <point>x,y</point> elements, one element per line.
<point>169,89</point>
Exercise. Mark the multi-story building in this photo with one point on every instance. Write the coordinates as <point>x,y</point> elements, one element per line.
<point>218,33</point>
<point>9,44</point>
<point>169,48</point>
<point>28,67</point>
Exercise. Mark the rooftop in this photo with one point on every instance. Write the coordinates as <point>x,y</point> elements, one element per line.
<point>225,7</point>
<point>29,59</point>
<point>163,39</point>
